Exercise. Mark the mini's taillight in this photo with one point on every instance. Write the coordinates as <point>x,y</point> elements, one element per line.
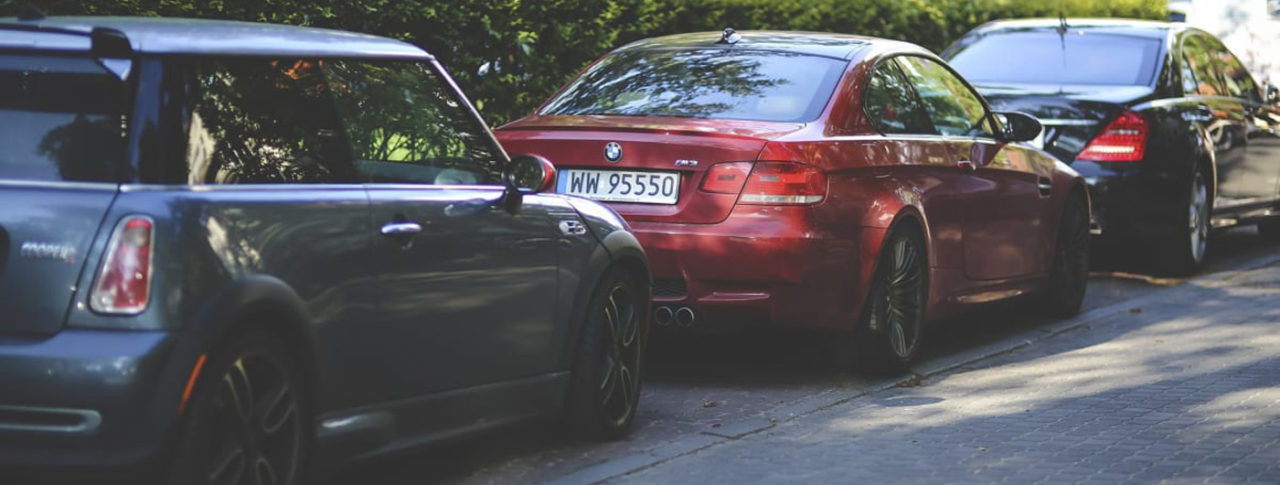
<point>727,177</point>
<point>784,183</point>
<point>1123,140</point>
<point>123,285</point>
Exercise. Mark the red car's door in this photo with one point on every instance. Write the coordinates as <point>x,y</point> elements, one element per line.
<point>1003,201</point>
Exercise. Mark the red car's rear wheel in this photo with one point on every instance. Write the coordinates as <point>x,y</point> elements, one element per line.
<point>888,336</point>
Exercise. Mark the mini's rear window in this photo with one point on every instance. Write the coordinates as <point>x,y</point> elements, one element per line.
<point>718,83</point>
<point>1044,57</point>
<point>61,119</point>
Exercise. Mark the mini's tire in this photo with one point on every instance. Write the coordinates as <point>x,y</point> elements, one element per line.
<point>604,387</point>
<point>247,417</point>
<point>887,337</point>
<point>1069,276</point>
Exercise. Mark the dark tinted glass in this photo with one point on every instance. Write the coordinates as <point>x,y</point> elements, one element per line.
<point>703,83</point>
<point>952,106</point>
<point>1200,60</point>
<point>1042,57</point>
<point>892,105</point>
<point>61,119</point>
<point>332,121</point>
<point>1235,77</point>
<point>406,125</point>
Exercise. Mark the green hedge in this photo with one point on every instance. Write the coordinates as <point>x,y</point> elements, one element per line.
<point>511,54</point>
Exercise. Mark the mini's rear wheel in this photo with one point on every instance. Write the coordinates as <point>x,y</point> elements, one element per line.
<point>246,420</point>
<point>888,336</point>
<point>605,386</point>
<point>1070,274</point>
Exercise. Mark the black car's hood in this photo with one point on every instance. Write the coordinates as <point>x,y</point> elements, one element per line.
<point>1072,114</point>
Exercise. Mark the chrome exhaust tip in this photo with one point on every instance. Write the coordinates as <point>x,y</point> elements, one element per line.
<point>685,317</point>
<point>663,316</point>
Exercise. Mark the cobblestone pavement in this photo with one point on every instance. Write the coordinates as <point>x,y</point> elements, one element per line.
<point>1185,389</point>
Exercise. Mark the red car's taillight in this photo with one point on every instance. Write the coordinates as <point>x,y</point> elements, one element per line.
<point>727,177</point>
<point>784,183</point>
<point>1124,140</point>
<point>124,282</point>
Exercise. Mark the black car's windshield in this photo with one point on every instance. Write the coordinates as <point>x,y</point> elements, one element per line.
<point>718,83</point>
<point>61,119</point>
<point>1044,57</point>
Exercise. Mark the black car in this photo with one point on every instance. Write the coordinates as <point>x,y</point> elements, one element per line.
<point>233,249</point>
<point>1172,132</point>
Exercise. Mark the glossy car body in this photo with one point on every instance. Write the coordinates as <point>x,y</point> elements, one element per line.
<point>1222,127</point>
<point>403,338</point>
<point>990,231</point>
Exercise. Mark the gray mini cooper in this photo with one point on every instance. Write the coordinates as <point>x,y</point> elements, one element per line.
<point>232,251</point>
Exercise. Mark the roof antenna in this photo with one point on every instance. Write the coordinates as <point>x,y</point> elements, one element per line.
<point>28,12</point>
<point>729,37</point>
<point>1062,20</point>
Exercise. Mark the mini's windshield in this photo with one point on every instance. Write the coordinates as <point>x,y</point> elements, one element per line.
<point>1044,57</point>
<point>719,83</point>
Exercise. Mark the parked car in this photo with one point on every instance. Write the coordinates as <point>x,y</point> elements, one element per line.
<point>1172,132</point>
<point>831,181</point>
<point>234,250</point>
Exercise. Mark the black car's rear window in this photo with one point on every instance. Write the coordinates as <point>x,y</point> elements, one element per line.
<point>1042,57</point>
<point>61,119</point>
<point>719,83</point>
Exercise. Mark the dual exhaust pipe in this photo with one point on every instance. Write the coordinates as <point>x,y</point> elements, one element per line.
<point>682,317</point>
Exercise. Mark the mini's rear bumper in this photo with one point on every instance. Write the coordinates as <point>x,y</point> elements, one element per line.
<point>760,265</point>
<point>84,399</point>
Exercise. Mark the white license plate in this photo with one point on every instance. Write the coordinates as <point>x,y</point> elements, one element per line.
<point>620,186</point>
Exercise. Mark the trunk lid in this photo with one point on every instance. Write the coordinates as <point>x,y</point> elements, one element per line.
<point>1072,114</point>
<point>45,235</point>
<point>685,146</point>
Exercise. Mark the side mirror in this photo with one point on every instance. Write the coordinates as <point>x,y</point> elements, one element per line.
<point>1019,126</point>
<point>530,174</point>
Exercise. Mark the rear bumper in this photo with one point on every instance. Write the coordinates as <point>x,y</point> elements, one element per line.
<point>1129,203</point>
<point>765,265</point>
<point>84,399</point>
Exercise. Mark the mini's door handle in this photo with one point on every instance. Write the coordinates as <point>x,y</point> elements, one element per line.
<point>401,229</point>
<point>966,165</point>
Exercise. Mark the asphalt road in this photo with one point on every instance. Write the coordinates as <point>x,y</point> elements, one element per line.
<point>697,384</point>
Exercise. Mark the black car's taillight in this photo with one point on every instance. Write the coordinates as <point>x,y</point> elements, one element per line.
<point>1123,140</point>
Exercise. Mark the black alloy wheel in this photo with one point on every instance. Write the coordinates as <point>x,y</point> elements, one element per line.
<point>888,337</point>
<point>245,424</point>
<point>1070,273</point>
<point>605,387</point>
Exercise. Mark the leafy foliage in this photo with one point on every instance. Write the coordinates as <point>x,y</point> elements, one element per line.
<point>510,55</point>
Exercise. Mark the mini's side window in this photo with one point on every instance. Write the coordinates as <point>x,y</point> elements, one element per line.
<point>892,105</point>
<point>952,106</point>
<point>332,121</point>
<point>256,121</point>
<point>406,125</point>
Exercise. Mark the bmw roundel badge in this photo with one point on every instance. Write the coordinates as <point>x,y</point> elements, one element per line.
<point>613,151</point>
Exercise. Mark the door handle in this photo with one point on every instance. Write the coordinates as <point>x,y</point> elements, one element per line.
<point>1046,187</point>
<point>966,165</point>
<point>401,229</point>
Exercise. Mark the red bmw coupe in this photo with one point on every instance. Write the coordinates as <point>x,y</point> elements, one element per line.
<point>823,180</point>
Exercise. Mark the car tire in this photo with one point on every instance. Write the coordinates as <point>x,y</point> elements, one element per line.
<point>1069,275</point>
<point>605,380</point>
<point>248,414</point>
<point>887,338</point>
<point>1183,255</point>
<point>1269,229</point>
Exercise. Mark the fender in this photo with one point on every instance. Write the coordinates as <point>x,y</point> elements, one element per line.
<point>616,247</point>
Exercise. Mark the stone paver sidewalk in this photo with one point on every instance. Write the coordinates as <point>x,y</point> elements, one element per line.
<point>1183,390</point>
